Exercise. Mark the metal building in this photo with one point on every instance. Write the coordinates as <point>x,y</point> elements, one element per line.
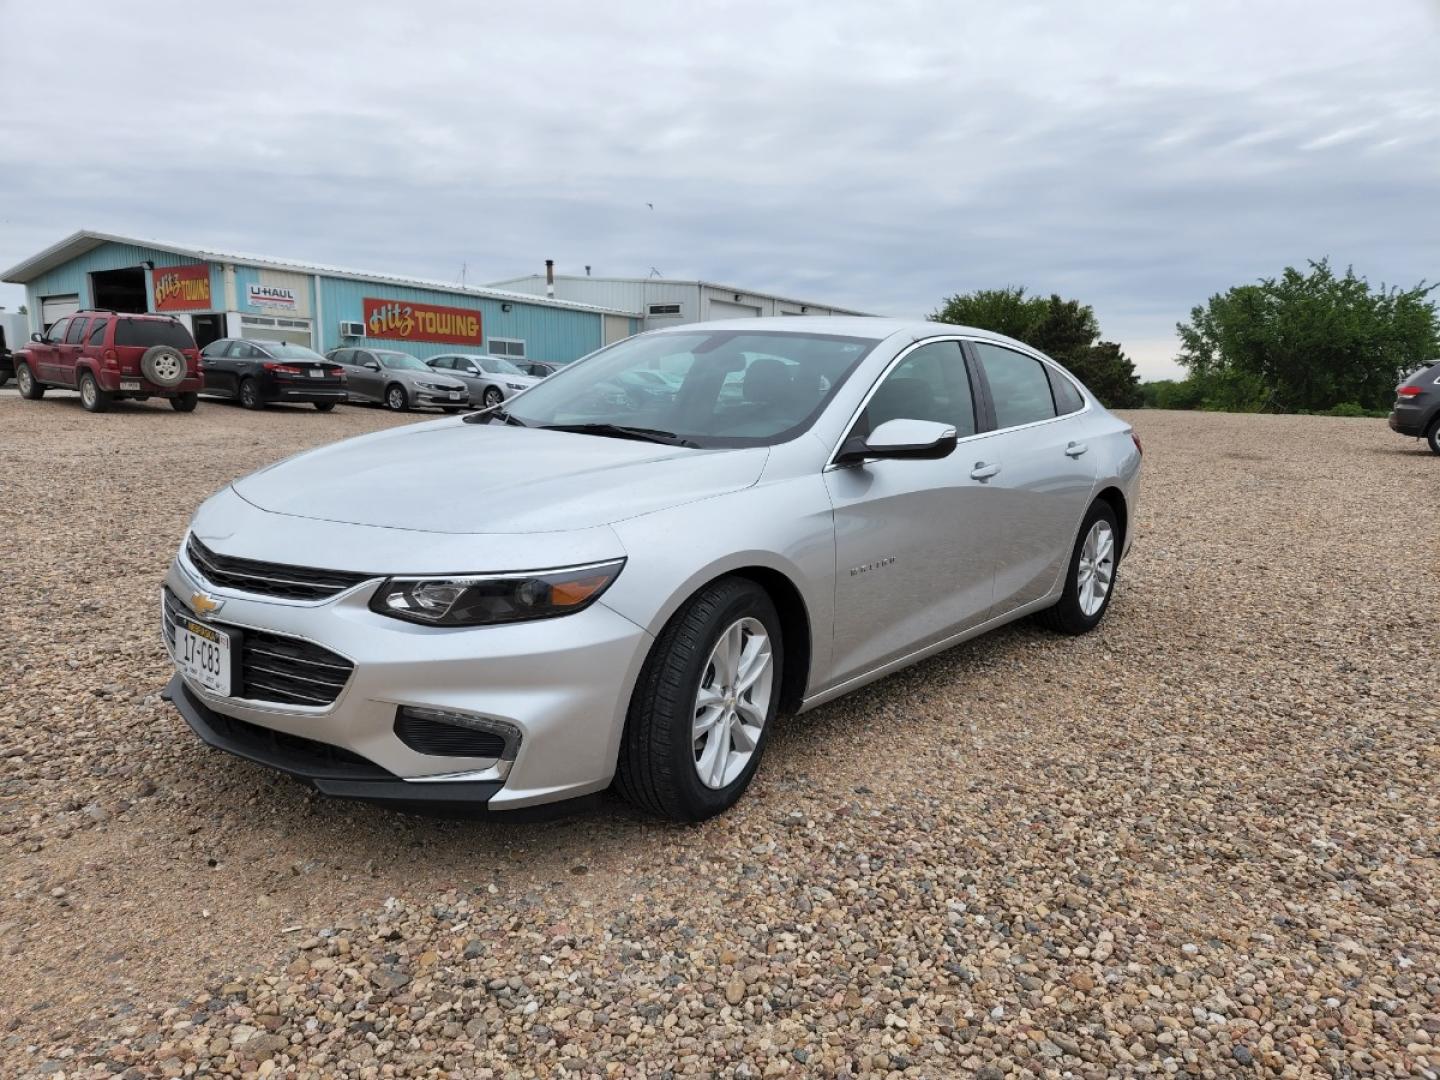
<point>219,295</point>
<point>667,301</point>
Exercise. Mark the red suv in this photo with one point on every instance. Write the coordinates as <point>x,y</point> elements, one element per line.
<point>109,355</point>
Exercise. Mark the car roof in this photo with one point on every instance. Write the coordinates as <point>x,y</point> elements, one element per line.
<point>860,326</point>
<point>158,316</point>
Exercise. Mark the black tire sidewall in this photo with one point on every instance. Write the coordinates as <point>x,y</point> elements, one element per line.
<point>1433,436</point>
<point>253,400</point>
<point>737,599</point>
<point>324,406</point>
<point>493,397</point>
<point>98,401</point>
<point>25,382</point>
<point>1069,609</point>
<point>184,402</point>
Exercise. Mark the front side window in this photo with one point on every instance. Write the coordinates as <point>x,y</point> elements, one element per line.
<point>708,388</point>
<point>97,332</point>
<point>76,333</point>
<point>1019,386</point>
<point>929,384</point>
<point>56,333</point>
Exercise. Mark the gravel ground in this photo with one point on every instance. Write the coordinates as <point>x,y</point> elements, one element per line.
<point>1200,841</point>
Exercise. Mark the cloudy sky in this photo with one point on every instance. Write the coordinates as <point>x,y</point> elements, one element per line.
<point>1137,155</point>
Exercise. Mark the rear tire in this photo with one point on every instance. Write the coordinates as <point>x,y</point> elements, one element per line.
<point>684,682</point>
<point>1080,608</point>
<point>1433,436</point>
<point>250,394</point>
<point>25,382</point>
<point>91,396</point>
<point>184,402</point>
<point>324,406</point>
<point>396,399</point>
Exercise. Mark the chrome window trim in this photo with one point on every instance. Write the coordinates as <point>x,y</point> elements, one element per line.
<point>899,357</point>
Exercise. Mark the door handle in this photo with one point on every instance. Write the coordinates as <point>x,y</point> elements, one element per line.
<point>981,471</point>
<point>1075,449</point>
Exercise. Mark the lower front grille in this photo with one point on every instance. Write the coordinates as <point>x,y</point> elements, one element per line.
<point>426,736</point>
<point>294,753</point>
<point>274,667</point>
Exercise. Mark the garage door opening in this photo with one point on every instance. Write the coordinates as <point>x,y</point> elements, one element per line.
<point>120,290</point>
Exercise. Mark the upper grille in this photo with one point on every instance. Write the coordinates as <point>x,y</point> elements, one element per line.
<point>267,578</point>
<point>277,668</point>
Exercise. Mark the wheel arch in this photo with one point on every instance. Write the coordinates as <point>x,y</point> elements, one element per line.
<point>1115,499</point>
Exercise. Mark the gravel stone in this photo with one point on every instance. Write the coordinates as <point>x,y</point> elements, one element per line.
<point>1198,841</point>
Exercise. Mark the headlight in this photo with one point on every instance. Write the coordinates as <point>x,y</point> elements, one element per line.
<point>483,599</point>
<point>437,387</point>
<point>516,385</point>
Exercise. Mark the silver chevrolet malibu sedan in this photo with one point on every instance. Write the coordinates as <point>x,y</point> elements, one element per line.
<point>647,571</point>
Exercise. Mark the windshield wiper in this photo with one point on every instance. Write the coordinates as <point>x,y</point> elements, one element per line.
<point>487,415</point>
<point>620,431</point>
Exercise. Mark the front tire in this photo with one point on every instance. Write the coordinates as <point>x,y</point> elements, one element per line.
<point>493,397</point>
<point>250,394</point>
<point>323,406</point>
<point>184,402</point>
<point>91,396</point>
<point>704,704</point>
<point>1090,580</point>
<point>1433,436</point>
<point>396,399</point>
<point>25,382</point>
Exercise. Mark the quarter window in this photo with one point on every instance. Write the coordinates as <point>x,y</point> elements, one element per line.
<point>97,332</point>
<point>929,384</point>
<point>76,334</point>
<point>1018,386</point>
<point>1067,398</point>
<point>343,356</point>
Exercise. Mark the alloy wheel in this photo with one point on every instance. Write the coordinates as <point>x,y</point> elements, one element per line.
<point>396,398</point>
<point>87,392</point>
<point>1097,568</point>
<point>493,397</point>
<point>22,381</point>
<point>732,703</point>
<point>167,367</point>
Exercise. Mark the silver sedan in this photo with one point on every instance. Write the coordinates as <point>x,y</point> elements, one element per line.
<point>638,584</point>
<point>490,379</point>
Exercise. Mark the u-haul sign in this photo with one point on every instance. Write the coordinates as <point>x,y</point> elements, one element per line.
<point>270,296</point>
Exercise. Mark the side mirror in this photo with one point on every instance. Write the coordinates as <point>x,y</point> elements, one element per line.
<point>924,439</point>
<point>36,337</point>
<point>371,365</point>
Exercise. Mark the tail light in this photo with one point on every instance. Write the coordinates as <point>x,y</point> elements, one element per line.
<point>110,360</point>
<point>1136,440</point>
<point>336,372</point>
<point>281,369</point>
<point>1410,391</point>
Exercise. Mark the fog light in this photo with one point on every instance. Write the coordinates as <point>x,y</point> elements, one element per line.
<point>444,733</point>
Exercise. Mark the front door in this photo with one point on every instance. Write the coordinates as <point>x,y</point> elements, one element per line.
<point>1045,478</point>
<point>913,544</point>
<point>366,380</point>
<point>46,353</point>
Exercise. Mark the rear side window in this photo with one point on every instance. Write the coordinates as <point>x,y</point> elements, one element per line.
<point>144,333</point>
<point>97,331</point>
<point>1019,386</point>
<point>342,356</point>
<point>76,333</point>
<point>1067,398</point>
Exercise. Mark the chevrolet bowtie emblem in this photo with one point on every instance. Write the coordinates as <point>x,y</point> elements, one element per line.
<point>205,604</point>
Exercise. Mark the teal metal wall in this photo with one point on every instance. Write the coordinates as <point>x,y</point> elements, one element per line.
<point>74,276</point>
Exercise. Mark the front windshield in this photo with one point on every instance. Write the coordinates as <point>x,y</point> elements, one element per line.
<point>284,350</point>
<point>708,387</point>
<point>399,361</point>
<point>496,365</point>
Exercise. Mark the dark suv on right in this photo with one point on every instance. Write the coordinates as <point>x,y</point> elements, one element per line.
<point>1417,406</point>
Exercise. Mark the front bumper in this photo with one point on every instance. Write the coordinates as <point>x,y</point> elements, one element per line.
<point>563,683</point>
<point>460,399</point>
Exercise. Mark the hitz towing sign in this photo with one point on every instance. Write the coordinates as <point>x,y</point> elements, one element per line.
<point>403,320</point>
<point>182,288</point>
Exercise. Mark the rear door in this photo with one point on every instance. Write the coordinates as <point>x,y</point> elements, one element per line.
<point>69,351</point>
<point>213,367</point>
<point>1044,473</point>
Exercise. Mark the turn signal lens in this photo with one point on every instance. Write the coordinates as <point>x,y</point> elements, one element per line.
<point>481,600</point>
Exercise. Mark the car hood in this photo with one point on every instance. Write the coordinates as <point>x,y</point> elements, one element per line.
<point>453,477</point>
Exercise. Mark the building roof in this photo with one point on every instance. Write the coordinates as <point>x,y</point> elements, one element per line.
<point>86,240</point>
<point>682,281</point>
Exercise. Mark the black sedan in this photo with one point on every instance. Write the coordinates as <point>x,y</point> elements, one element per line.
<point>256,373</point>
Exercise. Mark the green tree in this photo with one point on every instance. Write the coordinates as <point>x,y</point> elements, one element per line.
<point>1065,330</point>
<point>1308,341</point>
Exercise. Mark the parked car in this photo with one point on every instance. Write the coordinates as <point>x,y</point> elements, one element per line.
<point>109,356</point>
<point>1417,406</point>
<point>256,373</point>
<point>397,380</point>
<point>585,593</point>
<point>7,363</point>
<point>490,379</point>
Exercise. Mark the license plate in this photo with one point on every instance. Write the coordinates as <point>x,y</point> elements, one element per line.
<point>316,373</point>
<point>129,384</point>
<point>203,654</point>
<point>455,395</point>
